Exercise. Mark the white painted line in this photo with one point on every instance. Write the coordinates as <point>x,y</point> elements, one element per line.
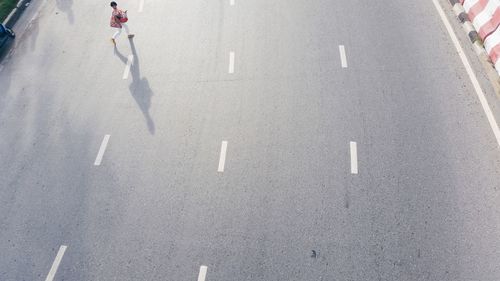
<point>55,265</point>
<point>104,144</point>
<point>231,2</point>
<point>231,62</point>
<point>354,158</point>
<point>222,159</point>
<point>203,273</point>
<point>130,61</point>
<point>343,57</point>
<point>472,76</point>
<point>141,6</point>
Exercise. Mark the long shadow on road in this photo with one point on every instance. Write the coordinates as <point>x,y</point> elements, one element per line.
<point>139,88</point>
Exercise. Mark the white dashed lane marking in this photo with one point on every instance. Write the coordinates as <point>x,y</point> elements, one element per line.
<point>130,61</point>
<point>231,2</point>
<point>141,5</point>
<point>222,159</point>
<point>343,57</point>
<point>104,144</point>
<point>231,62</point>
<point>55,265</point>
<point>354,158</point>
<point>203,273</point>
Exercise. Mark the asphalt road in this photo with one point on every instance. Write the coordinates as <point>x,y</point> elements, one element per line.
<point>282,202</point>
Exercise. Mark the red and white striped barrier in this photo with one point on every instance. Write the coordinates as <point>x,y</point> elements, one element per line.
<point>485,17</point>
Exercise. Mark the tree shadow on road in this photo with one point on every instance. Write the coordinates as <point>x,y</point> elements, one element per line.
<point>65,7</point>
<point>139,88</point>
<point>33,30</point>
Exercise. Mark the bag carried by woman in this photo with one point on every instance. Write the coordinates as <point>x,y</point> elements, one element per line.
<point>122,17</point>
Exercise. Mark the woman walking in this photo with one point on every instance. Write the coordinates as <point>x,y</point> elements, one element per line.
<point>118,20</point>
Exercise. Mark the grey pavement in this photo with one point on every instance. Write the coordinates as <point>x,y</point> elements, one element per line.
<point>424,206</point>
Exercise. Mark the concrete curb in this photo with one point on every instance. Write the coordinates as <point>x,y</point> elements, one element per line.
<point>477,43</point>
<point>16,13</point>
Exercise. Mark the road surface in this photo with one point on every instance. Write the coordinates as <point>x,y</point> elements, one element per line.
<point>246,140</point>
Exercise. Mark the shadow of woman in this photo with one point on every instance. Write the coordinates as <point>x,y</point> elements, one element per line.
<point>139,88</point>
<point>120,55</point>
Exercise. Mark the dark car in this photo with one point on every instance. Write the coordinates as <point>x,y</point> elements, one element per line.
<point>6,35</point>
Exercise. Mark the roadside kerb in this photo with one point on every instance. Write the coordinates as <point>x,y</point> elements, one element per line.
<point>16,13</point>
<point>477,42</point>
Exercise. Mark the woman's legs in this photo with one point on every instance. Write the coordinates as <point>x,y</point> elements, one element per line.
<point>117,33</point>
<point>130,35</point>
<point>126,28</point>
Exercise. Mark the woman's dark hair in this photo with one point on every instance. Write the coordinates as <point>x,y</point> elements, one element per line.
<point>113,4</point>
